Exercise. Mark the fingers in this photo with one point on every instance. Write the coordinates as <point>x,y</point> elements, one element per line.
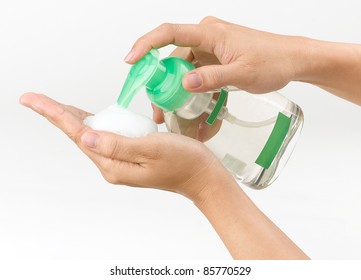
<point>67,118</point>
<point>76,111</point>
<point>184,35</point>
<point>185,53</point>
<point>211,19</point>
<point>211,77</point>
<point>121,148</point>
<point>108,151</point>
<point>158,115</point>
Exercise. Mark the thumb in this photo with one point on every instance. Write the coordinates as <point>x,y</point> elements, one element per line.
<point>117,147</point>
<point>211,77</point>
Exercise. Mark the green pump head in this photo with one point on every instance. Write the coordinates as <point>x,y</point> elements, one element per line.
<point>162,79</point>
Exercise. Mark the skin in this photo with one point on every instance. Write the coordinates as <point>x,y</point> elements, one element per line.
<point>225,54</point>
<point>196,174</point>
<point>253,60</point>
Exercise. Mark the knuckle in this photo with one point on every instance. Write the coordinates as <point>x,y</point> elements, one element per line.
<point>107,171</point>
<point>57,115</point>
<point>105,165</point>
<point>166,27</point>
<point>140,41</point>
<point>220,27</point>
<point>249,80</point>
<point>113,149</point>
<point>176,28</point>
<point>216,77</point>
<point>209,19</point>
<point>110,178</point>
<point>168,30</point>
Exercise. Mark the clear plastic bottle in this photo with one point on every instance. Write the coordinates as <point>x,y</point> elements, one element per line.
<point>252,134</point>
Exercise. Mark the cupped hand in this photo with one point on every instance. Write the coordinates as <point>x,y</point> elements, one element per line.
<point>160,160</point>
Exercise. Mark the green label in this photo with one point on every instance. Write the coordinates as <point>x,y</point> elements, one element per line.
<point>217,108</point>
<point>274,141</point>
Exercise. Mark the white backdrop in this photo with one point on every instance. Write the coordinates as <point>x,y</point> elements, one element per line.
<point>54,204</point>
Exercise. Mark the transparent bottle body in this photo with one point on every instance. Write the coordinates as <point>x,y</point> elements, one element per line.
<point>241,132</point>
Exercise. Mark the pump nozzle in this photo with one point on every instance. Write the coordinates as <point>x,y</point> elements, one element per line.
<point>161,78</point>
<point>139,75</point>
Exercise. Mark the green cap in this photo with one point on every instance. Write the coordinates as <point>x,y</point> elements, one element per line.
<point>162,79</point>
<point>140,73</point>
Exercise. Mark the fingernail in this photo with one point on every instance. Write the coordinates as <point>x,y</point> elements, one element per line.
<point>90,139</point>
<point>193,80</point>
<point>129,56</point>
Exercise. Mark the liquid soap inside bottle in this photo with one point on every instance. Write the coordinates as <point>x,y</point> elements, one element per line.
<point>253,135</point>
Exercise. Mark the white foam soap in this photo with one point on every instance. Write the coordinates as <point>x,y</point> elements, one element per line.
<point>121,121</point>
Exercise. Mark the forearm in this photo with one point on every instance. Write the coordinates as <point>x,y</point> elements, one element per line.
<point>244,229</point>
<point>335,67</point>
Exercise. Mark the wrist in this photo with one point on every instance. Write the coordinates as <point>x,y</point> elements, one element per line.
<point>317,62</point>
<point>205,186</point>
<point>302,54</point>
<point>220,184</point>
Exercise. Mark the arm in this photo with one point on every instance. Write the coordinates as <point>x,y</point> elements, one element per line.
<point>335,67</point>
<point>195,173</point>
<point>256,61</point>
<point>244,229</point>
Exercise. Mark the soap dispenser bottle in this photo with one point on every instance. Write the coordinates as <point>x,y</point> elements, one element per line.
<point>253,135</point>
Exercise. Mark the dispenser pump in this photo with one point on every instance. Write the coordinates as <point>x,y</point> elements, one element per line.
<point>253,136</point>
<point>162,79</point>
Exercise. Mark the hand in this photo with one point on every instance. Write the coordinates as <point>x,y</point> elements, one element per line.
<point>160,160</point>
<point>195,128</point>
<point>179,164</point>
<point>253,60</point>
<point>226,54</point>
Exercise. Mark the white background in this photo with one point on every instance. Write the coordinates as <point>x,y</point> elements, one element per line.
<point>54,204</point>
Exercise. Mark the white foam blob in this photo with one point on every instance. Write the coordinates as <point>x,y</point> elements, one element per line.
<point>121,121</point>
